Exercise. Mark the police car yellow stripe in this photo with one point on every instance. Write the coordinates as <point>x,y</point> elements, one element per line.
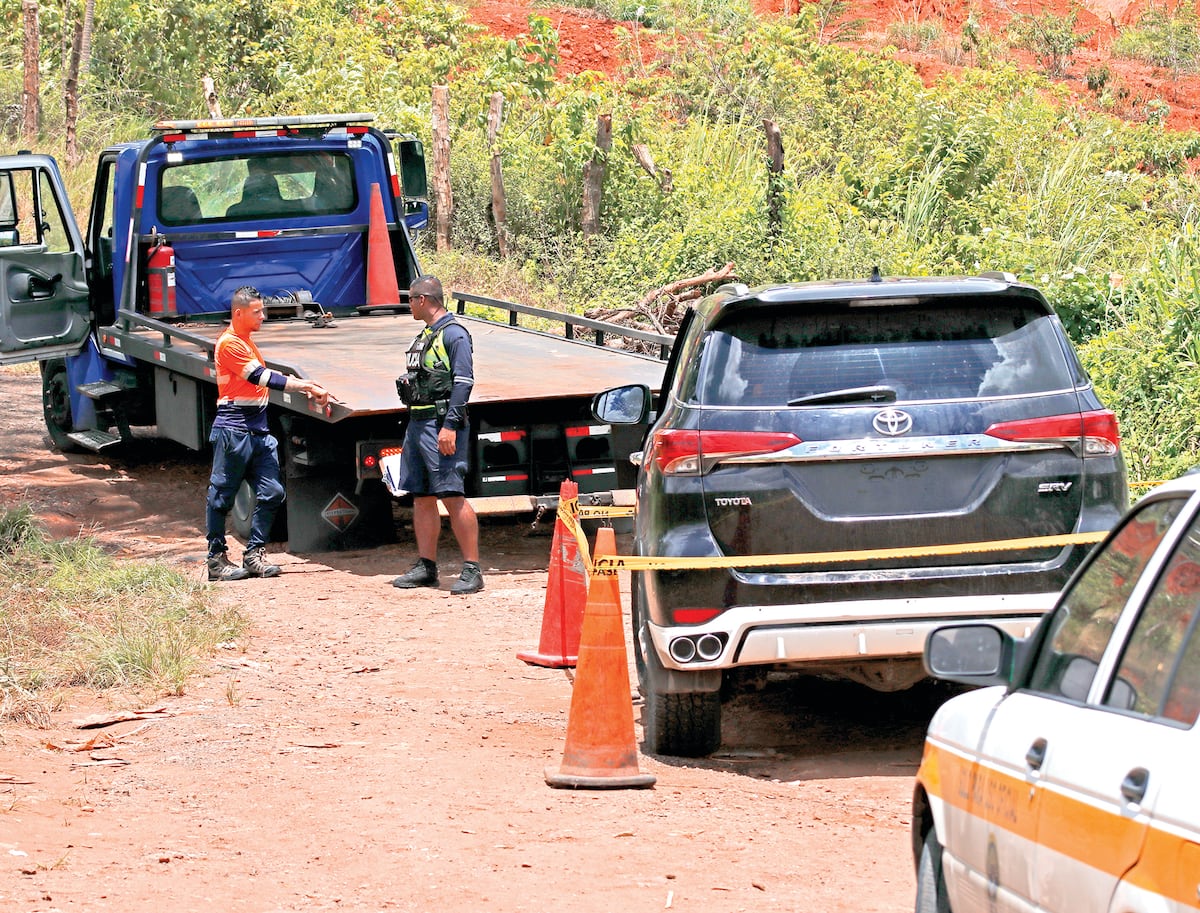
<point>1088,834</point>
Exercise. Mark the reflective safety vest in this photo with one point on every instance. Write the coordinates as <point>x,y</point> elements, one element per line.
<point>429,371</point>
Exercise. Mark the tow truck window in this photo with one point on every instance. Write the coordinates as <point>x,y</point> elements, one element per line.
<point>1164,674</point>
<point>1081,625</point>
<point>257,187</point>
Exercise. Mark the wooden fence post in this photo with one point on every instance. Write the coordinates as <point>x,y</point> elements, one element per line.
<point>593,175</point>
<point>441,165</point>
<point>774,178</point>
<point>210,97</point>
<point>499,213</point>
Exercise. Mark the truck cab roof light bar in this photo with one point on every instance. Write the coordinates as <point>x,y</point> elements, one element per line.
<point>231,124</point>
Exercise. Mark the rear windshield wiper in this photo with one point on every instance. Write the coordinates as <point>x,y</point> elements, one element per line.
<point>878,394</point>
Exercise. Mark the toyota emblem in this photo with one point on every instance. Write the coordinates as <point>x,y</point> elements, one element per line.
<point>892,422</point>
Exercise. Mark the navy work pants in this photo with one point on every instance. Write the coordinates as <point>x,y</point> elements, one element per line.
<point>238,456</point>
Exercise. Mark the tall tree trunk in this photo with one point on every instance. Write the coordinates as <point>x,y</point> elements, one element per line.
<point>593,176</point>
<point>499,206</point>
<point>71,96</point>
<point>85,49</point>
<point>442,196</point>
<point>81,47</point>
<point>31,104</point>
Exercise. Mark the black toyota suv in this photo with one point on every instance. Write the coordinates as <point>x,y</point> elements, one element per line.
<point>882,414</point>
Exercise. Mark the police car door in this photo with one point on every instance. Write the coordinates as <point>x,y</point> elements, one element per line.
<point>1034,729</point>
<point>44,302</point>
<point>1117,780</point>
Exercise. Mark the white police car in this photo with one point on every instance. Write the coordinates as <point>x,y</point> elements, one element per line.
<point>1073,784</point>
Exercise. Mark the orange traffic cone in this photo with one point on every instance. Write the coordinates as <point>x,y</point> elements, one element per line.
<point>566,595</point>
<point>601,750</point>
<point>382,287</point>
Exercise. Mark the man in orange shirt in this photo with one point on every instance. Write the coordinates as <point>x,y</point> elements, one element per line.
<point>243,447</point>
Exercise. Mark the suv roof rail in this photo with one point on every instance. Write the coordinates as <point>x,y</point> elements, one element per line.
<point>230,124</point>
<point>736,289</point>
<point>1002,275</point>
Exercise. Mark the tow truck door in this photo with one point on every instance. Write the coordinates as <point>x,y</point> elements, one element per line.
<point>44,306</point>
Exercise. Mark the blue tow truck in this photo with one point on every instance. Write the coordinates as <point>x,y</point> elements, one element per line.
<point>124,316</point>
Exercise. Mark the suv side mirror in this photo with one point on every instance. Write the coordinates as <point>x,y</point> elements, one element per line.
<point>628,405</point>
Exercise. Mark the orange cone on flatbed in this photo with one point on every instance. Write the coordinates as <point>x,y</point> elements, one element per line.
<point>382,287</point>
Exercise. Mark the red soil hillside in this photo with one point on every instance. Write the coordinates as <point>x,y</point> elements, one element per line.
<point>587,42</point>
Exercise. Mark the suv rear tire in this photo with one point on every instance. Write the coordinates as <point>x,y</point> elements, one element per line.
<point>686,725</point>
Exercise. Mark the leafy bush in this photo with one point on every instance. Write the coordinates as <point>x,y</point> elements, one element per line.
<point>1051,39</point>
<point>1165,38</point>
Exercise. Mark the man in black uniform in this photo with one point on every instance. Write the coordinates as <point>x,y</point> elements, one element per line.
<point>433,466</point>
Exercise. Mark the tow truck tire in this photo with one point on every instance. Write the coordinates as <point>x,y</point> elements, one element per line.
<point>241,515</point>
<point>242,511</point>
<point>56,405</point>
<point>931,882</point>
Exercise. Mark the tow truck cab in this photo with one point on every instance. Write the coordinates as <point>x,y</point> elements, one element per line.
<point>312,211</point>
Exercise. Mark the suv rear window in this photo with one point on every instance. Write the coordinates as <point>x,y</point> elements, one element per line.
<point>948,349</point>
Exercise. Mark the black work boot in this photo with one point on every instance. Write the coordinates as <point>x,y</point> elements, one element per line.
<point>222,569</point>
<point>423,573</point>
<point>256,564</point>
<point>470,581</point>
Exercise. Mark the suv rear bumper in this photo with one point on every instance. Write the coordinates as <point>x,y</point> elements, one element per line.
<point>852,632</point>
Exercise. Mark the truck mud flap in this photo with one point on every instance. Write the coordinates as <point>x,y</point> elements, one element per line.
<point>325,514</point>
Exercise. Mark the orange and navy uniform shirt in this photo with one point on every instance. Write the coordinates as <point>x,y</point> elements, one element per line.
<point>242,384</point>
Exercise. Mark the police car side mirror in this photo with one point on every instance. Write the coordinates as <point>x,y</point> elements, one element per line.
<point>977,654</point>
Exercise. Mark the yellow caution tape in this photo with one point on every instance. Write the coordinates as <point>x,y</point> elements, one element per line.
<point>600,511</point>
<point>568,515</point>
<point>646,563</point>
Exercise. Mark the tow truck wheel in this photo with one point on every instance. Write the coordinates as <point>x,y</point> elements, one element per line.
<point>242,515</point>
<point>931,882</point>
<point>56,405</point>
<point>242,511</point>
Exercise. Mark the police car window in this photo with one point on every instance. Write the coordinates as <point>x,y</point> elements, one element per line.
<point>948,349</point>
<point>30,214</point>
<point>257,187</point>
<point>1083,621</point>
<point>1161,662</point>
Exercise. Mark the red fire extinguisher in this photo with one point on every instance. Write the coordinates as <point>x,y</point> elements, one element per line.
<point>160,279</point>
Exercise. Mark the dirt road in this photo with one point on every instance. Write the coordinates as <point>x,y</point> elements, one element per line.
<point>369,749</point>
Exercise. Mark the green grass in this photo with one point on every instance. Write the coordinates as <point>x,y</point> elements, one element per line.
<point>73,616</point>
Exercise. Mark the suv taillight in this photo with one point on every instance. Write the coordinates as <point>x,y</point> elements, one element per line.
<point>1090,433</point>
<point>680,451</point>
